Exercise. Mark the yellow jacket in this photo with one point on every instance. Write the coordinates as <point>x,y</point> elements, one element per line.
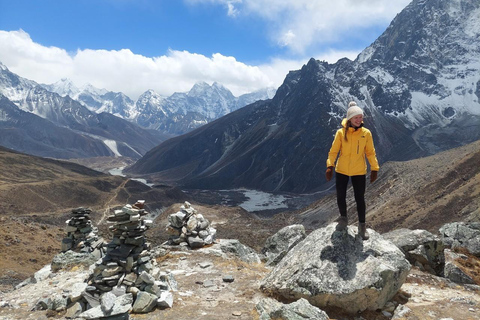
<point>351,161</point>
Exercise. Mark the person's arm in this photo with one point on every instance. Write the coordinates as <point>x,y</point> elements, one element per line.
<point>372,158</point>
<point>335,149</point>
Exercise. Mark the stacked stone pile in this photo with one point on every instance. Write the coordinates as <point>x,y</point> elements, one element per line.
<point>82,236</point>
<point>126,276</point>
<point>188,227</point>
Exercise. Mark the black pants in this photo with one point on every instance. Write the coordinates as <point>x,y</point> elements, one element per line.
<point>359,185</point>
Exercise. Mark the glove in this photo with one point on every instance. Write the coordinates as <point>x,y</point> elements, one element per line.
<point>373,176</point>
<point>329,173</point>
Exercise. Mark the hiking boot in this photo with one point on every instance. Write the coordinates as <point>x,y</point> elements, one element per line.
<point>362,231</point>
<point>342,223</point>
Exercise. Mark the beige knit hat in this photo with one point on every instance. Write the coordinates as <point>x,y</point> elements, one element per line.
<point>353,110</point>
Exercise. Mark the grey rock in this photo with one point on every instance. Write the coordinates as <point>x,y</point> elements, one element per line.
<point>277,246</point>
<point>147,278</point>
<point>453,271</point>
<point>119,290</point>
<point>75,292</point>
<point>145,302</point>
<point>205,264</point>
<point>195,242</point>
<point>70,259</point>
<point>269,309</point>
<point>169,278</point>
<point>401,312</point>
<point>107,301</point>
<point>243,252</point>
<point>75,310</point>
<point>332,268</point>
<point>42,274</point>
<point>462,235</point>
<point>43,304</point>
<point>24,283</point>
<point>176,220</point>
<point>91,299</point>
<point>59,302</point>
<point>420,247</point>
<point>208,283</point>
<point>122,305</point>
<point>165,300</point>
<point>228,278</point>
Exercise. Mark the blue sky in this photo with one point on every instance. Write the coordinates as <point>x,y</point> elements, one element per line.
<point>168,45</point>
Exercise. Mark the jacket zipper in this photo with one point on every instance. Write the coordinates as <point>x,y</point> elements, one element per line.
<point>358,146</point>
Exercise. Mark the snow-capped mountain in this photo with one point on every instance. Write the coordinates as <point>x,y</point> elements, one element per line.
<point>96,100</point>
<point>418,83</point>
<point>179,113</point>
<point>36,121</point>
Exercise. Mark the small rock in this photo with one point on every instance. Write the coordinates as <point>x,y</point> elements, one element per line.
<point>237,313</point>
<point>205,264</point>
<point>208,283</point>
<point>228,278</point>
<point>165,300</point>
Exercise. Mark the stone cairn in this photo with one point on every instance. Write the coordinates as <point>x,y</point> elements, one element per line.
<point>188,227</point>
<point>127,272</point>
<point>81,235</point>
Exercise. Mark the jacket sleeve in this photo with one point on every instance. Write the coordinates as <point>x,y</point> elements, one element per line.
<point>336,146</point>
<point>370,153</point>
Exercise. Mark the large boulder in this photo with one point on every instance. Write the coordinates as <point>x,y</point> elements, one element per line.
<point>333,268</point>
<point>421,248</point>
<point>462,235</point>
<point>277,246</point>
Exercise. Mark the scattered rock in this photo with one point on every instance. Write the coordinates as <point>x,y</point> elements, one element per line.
<point>228,278</point>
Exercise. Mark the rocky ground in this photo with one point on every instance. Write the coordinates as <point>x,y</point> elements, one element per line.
<point>203,294</point>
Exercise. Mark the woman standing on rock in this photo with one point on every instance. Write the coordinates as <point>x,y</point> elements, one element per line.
<point>354,142</point>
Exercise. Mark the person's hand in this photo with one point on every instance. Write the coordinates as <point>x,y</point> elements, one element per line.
<point>373,176</point>
<point>329,173</point>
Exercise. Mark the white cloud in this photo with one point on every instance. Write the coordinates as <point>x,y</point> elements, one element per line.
<point>133,74</point>
<point>303,24</point>
<point>126,71</point>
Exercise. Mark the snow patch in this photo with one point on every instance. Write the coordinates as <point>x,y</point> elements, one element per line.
<point>366,54</point>
<point>381,76</point>
<point>473,24</point>
<point>112,145</point>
